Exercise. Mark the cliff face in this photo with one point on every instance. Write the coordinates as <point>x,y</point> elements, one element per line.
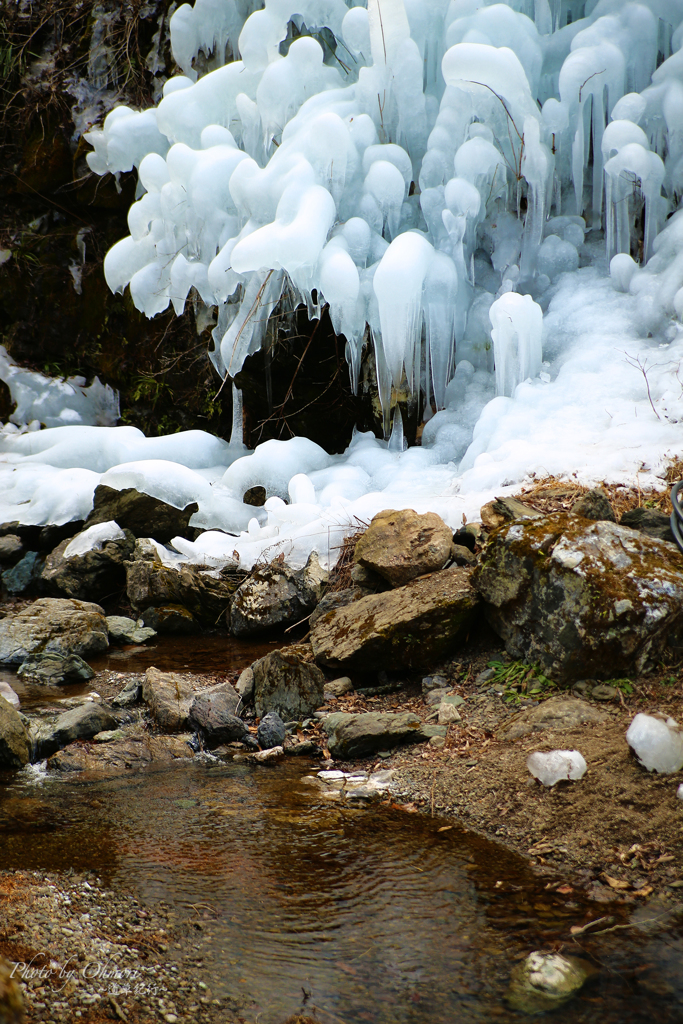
<point>63,66</point>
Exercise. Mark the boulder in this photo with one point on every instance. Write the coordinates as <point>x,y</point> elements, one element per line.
<point>89,566</point>
<point>581,598</point>
<point>128,631</point>
<point>81,723</point>
<point>271,731</point>
<point>171,619</point>
<point>288,685</point>
<point>462,555</point>
<point>8,693</point>
<point>55,669</point>
<point>594,505</point>
<point>11,549</point>
<point>52,625</point>
<point>365,734</point>
<point>204,592</point>
<point>275,595</point>
<point>335,599</point>
<point>121,755</point>
<point>142,514</point>
<point>406,628</point>
<point>212,713</point>
<point>24,574</point>
<point>129,695</point>
<point>649,521</point>
<point>169,696</point>
<point>560,714</point>
<point>401,546</point>
<point>338,687</point>
<point>245,685</point>
<point>15,746</point>
<point>506,510</point>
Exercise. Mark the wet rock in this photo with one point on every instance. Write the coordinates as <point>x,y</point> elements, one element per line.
<point>284,683</point>
<point>171,619</point>
<point>546,980</point>
<point>594,505</point>
<point>142,514</point>
<point>401,546</point>
<point>275,595</point>
<point>129,695</point>
<point>203,592</point>
<point>11,549</point>
<point>212,713</point>
<point>581,598</point>
<point>271,731</point>
<point>649,521</point>
<point>335,599</point>
<point>365,734</point>
<point>338,687</point>
<point>128,631</point>
<point>10,696</point>
<point>11,999</point>
<point>245,685</point>
<point>24,574</point>
<point>506,510</point>
<point>52,625</point>
<point>121,755</point>
<point>561,714</point>
<point>90,565</point>
<point>169,696</point>
<point>81,723</point>
<point>405,628</point>
<point>55,669</point>
<point>15,747</point>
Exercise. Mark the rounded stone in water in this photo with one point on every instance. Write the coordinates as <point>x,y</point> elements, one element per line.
<point>544,981</point>
<point>271,731</point>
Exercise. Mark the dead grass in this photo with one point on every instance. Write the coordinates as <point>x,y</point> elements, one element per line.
<point>340,576</point>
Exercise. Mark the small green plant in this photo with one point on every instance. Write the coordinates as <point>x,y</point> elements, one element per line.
<point>518,677</point>
<point>625,685</point>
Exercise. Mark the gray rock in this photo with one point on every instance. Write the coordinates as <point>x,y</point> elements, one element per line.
<point>362,735</point>
<point>129,695</point>
<point>434,683</point>
<point>367,580</point>
<point>506,510</point>
<point>434,697</point>
<point>212,713</point>
<point>81,723</point>
<point>275,595</point>
<point>405,628</point>
<point>649,521</point>
<point>142,514</point>
<point>288,685</point>
<point>594,505</point>
<point>171,619</point>
<point>448,713</point>
<point>245,685</point>
<point>561,714</point>
<point>21,576</point>
<point>55,669</point>
<point>52,625</point>
<point>203,592</point>
<point>10,696</point>
<point>332,601</point>
<point>604,692</point>
<point>11,549</point>
<point>92,575</point>
<point>15,746</point>
<point>271,731</point>
<point>462,555</point>
<point>127,631</point>
<point>545,981</point>
<point>581,598</point>
<point>169,696</point>
<point>403,545</point>
<point>109,736</point>
<point>338,687</point>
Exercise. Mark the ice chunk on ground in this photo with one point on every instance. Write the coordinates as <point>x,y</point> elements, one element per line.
<point>657,742</point>
<point>555,765</point>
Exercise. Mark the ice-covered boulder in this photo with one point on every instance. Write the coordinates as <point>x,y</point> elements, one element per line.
<point>657,742</point>
<point>275,595</point>
<point>408,627</point>
<point>403,545</point>
<point>582,599</point>
<point>52,625</point>
<point>142,514</point>
<point>89,566</point>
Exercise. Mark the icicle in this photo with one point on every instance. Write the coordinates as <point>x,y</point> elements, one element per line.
<point>397,442</point>
<point>517,323</point>
<point>237,433</point>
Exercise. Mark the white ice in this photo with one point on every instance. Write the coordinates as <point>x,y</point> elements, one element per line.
<point>94,539</point>
<point>555,765</point>
<point>657,742</point>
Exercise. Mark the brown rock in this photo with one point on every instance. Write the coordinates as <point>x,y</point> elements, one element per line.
<point>401,546</point>
<point>557,713</point>
<point>53,626</point>
<point>505,510</point>
<point>115,758</point>
<point>169,696</point>
<point>15,749</point>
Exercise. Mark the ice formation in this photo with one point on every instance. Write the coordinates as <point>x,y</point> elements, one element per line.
<point>657,742</point>
<point>485,193</point>
<point>556,765</point>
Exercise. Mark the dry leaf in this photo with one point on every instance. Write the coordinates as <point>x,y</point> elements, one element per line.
<point>566,889</point>
<point>645,891</point>
<point>616,883</point>
<point>445,828</point>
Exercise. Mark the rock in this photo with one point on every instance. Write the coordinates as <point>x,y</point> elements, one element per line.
<point>50,536</point>
<point>255,496</point>
<point>55,669</point>
<point>127,631</point>
<point>649,521</point>
<point>332,601</point>
<point>212,713</point>
<point>203,592</point>
<point>462,555</point>
<point>506,510</point>
<point>11,999</point>
<point>90,565</point>
<point>657,742</point>
<point>401,546</point>
<point>11,549</point>
<point>604,692</point>
<point>263,756</point>
<point>129,695</point>
<point>10,696</point>
<point>169,696</point>
<point>303,748</point>
<point>405,628</point>
<point>171,619</point>
<point>121,755</point>
<point>594,505</point>
<point>469,536</point>
<point>21,576</point>
<point>284,683</point>
<point>434,683</point>
<point>271,731</point>
<point>544,981</point>
<point>366,579</point>
<point>245,685</point>
<point>365,734</point>
<point>109,735</point>
<point>15,746</point>
<point>81,723</point>
<point>338,687</point>
<point>581,598</point>
<point>560,714</point>
<point>553,766</point>
<point>448,713</point>
<point>275,595</point>
<point>142,514</point>
<point>52,625</point>
<point>435,697</point>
